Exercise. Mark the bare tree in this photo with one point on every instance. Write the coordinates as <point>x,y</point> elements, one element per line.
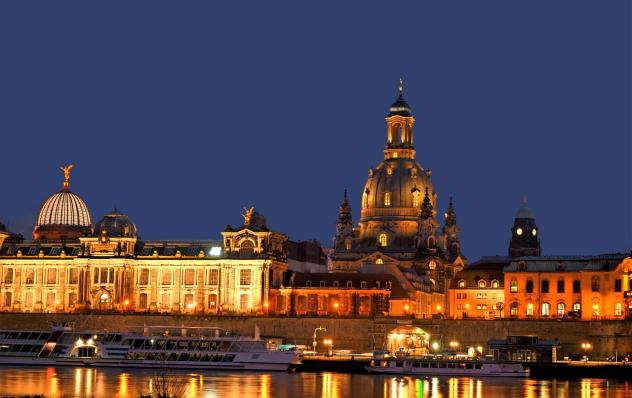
<point>166,385</point>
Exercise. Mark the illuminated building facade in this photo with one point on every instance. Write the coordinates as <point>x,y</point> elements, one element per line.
<point>398,218</point>
<point>72,266</point>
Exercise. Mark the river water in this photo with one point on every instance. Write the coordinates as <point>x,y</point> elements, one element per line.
<point>111,383</point>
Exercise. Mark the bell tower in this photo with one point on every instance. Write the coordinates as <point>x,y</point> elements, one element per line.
<point>399,129</point>
<point>525,240</point>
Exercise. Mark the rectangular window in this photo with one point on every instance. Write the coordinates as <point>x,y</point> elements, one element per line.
<point>513,286</point>
<point>189,276</point>
<point>245,277</point>
<point>212,301</point>
<point>576,286</point>
<point>144,276</point>
<point>618,309</point>
<point>213,277</point>
<point>560,286</point>
<point>577,308</point>
<point>302,303</point>
<point>617,285</point>
<point>545,286</point>
<point>7,299</point>
<point>29,276</point>
<point>165,300</point>
<point>166,277</point>
<point>51,276</point>
<point>29,299</point>
<point>50,299</point>
<point>529,286</point>
<point>8,276</point>
<point>594,283</point>
<point>111,277</point>
<point>244,302</point>
<point>73,276</point>
<point>104,275</point>
<point>322,303</point>
<point>142,302</point>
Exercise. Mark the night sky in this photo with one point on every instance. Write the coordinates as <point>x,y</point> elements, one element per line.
<point>182,113</point>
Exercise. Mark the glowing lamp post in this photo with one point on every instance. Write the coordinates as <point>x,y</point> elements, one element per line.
<point>329,345</point>
<point>406,309</point>
<point>586,347</point>
<point>337,308</point>
<point>266,306</point>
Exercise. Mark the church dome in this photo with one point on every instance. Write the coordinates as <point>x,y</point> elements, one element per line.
<point>116,224</point>
<point>395,189</point>
<point>524,211</point>
<point>64,215</point>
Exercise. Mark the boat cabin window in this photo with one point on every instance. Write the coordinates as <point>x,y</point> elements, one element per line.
<point>86,352</point>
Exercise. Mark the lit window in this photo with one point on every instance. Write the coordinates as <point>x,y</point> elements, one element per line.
<point>432,264</point>
<point>245,277</point>
<point>213,277</point>
<point>577,308</point>
<point>189,276</point>
<point>546,309</point>
<point>383,240</point>
<point>244,302</point>
<point>144,276</point>
<point>461,283</point>
<point>389,170</point>
<point>348,243</point>
<point>618,309</point>
<point>513,309</point>
<point>387,199</point>
<point>495,284</point>
<point>8,276</point>
<point>595,309</point>
<point>561,308</point>
<point>513,286</point>
<point>534,232</point>
<point>519,231</point>
<point>365,199</point>
<point>530,309</point>
<point>379,261</point>
<point>481,284</point>
<point>416,198</point>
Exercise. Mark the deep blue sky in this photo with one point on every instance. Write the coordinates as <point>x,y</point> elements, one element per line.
<point>182,113</point>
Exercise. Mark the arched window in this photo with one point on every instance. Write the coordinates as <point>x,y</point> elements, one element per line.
<point>495,284</point>
<point>379,261</point>
<point>387,199</point>
<point>308,284</point>
<point>365,199</point>
<point>416,198</point>
<point>348,243</point>
<point>596,309</point>
<point>383,240</point>
<point>561,309</point>
<point>513,286</point>
<point>545,286</point>
<point>530,309</point>
<point>513,309</point>
<point>577,308</point>
<point>431,241</point>
<point>246,249</point>
<point>546,309</point>
<point>461,283</point>
<point>349,284</point>
<point>481,284</point>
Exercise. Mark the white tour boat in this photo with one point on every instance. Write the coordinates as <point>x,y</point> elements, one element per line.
<point>163,347</point>
<point>429,366</point>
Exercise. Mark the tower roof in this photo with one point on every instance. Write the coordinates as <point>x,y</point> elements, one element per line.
<point>524,211</point>
<point>400,107</point>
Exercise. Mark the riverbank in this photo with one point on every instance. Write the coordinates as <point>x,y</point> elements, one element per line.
<point>359,334</point>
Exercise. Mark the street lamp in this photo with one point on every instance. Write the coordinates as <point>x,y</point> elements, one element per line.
<point>337,307</point>
<point>329,344</point>
<point>586,347</point>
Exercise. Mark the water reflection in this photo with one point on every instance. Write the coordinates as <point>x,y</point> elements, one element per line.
<point>116,383</point>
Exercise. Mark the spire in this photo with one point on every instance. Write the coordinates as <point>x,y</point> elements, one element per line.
<point>450,215</point>
<point>401,87</point>
<point>344,214</point>
<point>426,206</point>
<point>66,170</point>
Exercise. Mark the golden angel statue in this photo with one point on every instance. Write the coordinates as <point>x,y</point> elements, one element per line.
<point>247,214</point>
<point>66,170</point>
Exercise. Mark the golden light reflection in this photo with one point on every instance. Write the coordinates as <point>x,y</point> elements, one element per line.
<point>453,387</point>
<point>266,382</point>
<point>530,388</point>
<point>193,386</point>
<point>123,385</point>
<point>52,382</point>
<point>77,381</point>
<point>330,385</point>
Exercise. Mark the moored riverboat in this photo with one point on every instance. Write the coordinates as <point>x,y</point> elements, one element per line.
<point>150,347</point>
<point>432,366</point>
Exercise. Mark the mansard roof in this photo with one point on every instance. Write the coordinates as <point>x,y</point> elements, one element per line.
<point>300,279</point>
<point>602,262</point>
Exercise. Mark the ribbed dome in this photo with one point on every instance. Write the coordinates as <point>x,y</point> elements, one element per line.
<point>403,180</point>
<point>524,211</point>
<point>116,224</point>
<point>64,208</point>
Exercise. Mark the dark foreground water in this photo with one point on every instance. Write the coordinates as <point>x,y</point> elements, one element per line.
<point>110,383</point>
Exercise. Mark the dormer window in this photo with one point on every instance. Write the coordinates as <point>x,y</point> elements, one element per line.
<point>379,261</point>
<point>322,284</point>
<point>388,285</point>
<point>495,284</point>
<point>377,284</point>
<point>308,283</point>
<point>481,284</point>
<point>387,199</point>
<point>336,284</point>
<point>349,284</point>
<point>461,283</point>
<point>363,285</point>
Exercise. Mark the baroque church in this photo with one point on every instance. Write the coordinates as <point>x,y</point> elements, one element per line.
<point>398,224</point>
